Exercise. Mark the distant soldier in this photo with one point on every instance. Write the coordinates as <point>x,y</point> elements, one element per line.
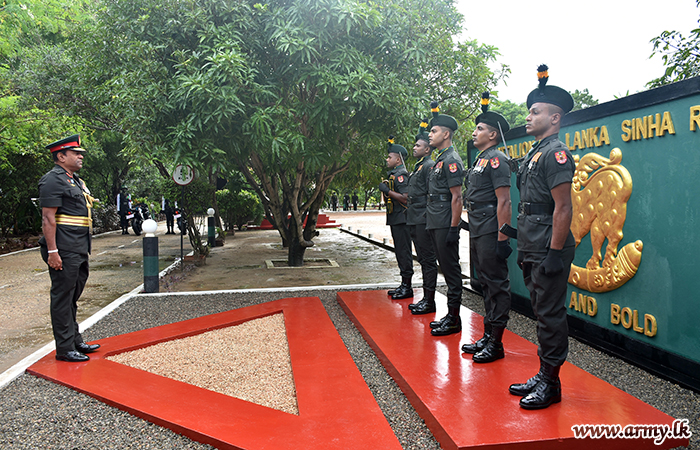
<point>346,202</point>
<point>416,219</point>
<point>488,203</point>
<point>395,190</point>
<point>546,246</point>
<point>334,202</point>
<point>123,208</point>
<point>66,222</point>
<point>355,199</point>
<point>169,217</point>
<point>444,215</point>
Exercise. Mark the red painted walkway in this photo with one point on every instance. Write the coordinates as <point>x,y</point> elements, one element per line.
<point>336,408</point>
<point>467,405</point>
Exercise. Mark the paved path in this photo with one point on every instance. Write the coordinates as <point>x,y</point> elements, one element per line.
<point>115,269</point>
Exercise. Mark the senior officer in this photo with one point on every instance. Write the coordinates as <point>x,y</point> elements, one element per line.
<point>416,219</point>
<point>444,215</point>
<point>65,209</point>
<point>545,243</point>
<point>395,191</point>
<point>488,203</point>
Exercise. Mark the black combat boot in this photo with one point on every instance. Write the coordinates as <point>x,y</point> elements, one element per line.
<point>546,391</point>
<point>391,292</point>
<point>425,306</point>
<point>479,345</point>
<point>403,291</point>
<point>522,389</point>
<point>493,349</point>
<point>451,323</point>
<point>438,323</point>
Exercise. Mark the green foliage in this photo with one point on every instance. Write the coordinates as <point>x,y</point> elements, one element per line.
<point>239,208</point>
<point>514,113</point>
<point>583,99</point>
<point>291,93</point>
<point>680,55</point>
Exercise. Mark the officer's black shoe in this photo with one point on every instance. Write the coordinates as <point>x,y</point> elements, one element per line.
<point>72,356</point>
<point>438,323</point>
<point>423,307</point>
<point>87,348</point>
<point>477,346</point>
<point>546,391</point>
<point>402,292</point>
<point>451,325</point>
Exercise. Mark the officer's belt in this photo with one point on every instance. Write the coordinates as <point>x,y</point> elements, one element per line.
<point>76,221</point>
<point>473,206</point>
<point>535,208</point>
<point>439,198</point>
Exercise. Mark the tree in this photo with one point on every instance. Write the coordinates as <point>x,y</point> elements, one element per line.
<point>514,113</point>
<point>292,93</point>
<point>583,99</point>
<point>680,54</point>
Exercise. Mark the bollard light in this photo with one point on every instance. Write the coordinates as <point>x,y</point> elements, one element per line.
<point>150,257</point>
<point>150,226</point>
<point>211,232</point>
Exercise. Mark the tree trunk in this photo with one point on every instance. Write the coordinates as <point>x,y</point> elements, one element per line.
<point>295,257</point>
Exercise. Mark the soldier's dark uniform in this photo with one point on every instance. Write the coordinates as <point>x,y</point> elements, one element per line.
<point>448,172</point>
<point>73,240</point>
<point>416,220</point>
<point>396,219</point>
<point>489,172</point>
<point>547,165</point>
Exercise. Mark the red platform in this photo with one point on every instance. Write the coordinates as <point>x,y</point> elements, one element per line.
<point>467,405</point>
<point>323,221</point>
<point>336,408</point>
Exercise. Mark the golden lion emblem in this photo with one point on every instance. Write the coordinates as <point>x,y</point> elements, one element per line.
<point>599,194</point>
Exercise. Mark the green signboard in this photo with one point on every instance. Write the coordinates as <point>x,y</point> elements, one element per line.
<point>636,216</point>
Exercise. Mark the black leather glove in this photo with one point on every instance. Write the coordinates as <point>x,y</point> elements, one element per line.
<point>464,225</point>
<point>452,236</point>
<point>552,264</point>
<point>503,249</point>
<point>384,188</point>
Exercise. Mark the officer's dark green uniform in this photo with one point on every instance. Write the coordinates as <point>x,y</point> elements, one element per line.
<point>489,172</point>
<point>416,219</point>
<point>396,219</point>
<point>547,165</point>
<point>448,172</point>
<point>58,189</point>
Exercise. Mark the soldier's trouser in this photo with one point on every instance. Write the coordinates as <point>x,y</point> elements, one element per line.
<point>448,257</point>
<point>426,255</point>
<point>548,299</point>
<point>66,287</point>
<point>492,274</point>
<point>402,249</point>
